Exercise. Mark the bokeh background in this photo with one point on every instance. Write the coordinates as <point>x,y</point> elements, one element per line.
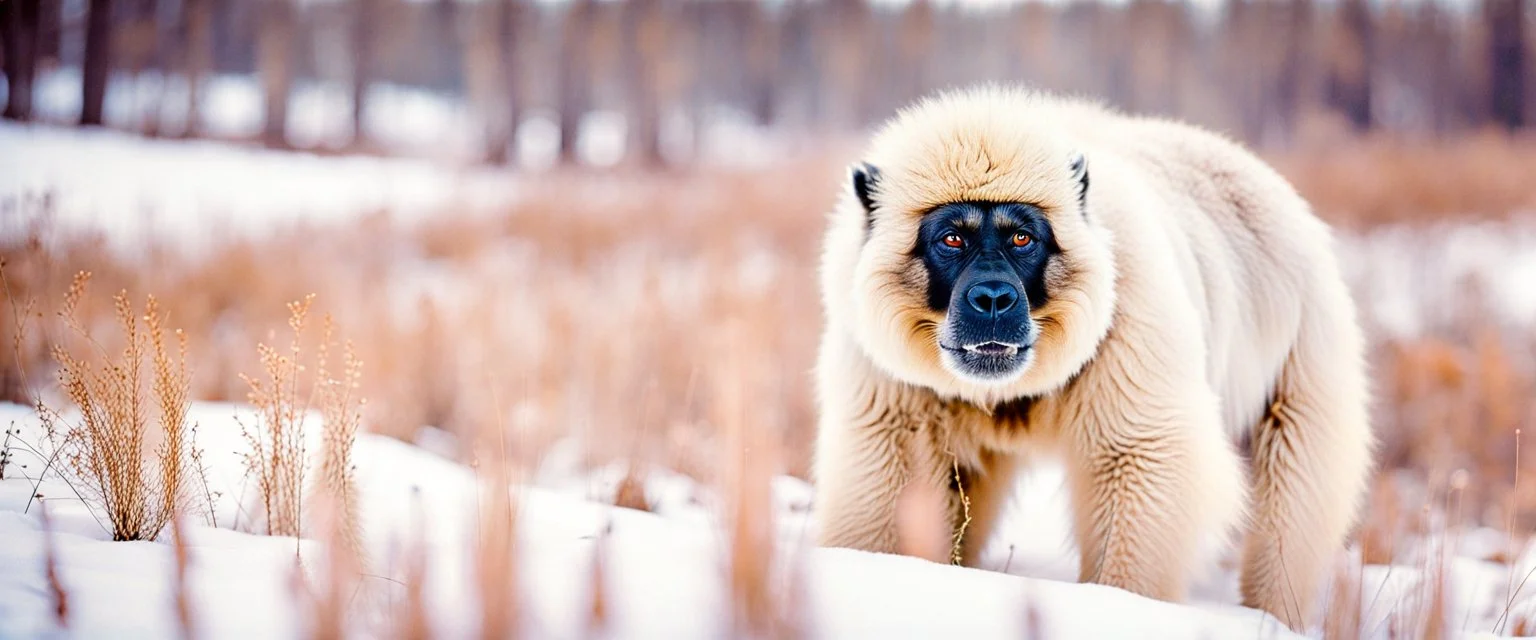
<point>532,83</point>
<point>575,226</point>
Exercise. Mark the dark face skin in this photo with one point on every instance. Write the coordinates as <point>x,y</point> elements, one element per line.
<point>986,270</point>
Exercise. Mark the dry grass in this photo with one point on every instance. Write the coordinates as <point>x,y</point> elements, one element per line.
<point>180,586</point>
<point>598,604</point>
<point>411,621</point>
<point>496,558</point>
<point>757,604</point>
<point>277,449</point>
<point>333,596</point>
<point>104,449</point>
<point>922,524</point>
<point>1341,620</point>
<point>56,592</point>
<point>278,459</point>
<point>1362,182</point>
<point>333,503</point>
<point>341,411</point>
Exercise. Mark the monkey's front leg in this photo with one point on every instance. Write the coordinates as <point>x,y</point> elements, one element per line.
<point>1152,477</point>
<point>875,440</point>
<point>859,471</point>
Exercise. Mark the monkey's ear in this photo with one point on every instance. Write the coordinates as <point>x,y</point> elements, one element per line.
<point>866,179</point>
<point>1079,166</point>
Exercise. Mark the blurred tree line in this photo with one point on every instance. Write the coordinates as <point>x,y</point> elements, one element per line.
<point>1261,70</point>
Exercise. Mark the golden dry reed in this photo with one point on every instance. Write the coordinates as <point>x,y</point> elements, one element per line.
<point>104,448</point>
<point>277,448</point>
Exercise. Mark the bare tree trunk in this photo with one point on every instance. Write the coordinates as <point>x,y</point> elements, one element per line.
<point>574,76</point>
<point>1444,83</point>
<point>364,36</point>
<point>643,36</point>
<point>198,59</point>
<point>845,34</point>
<point>764,64</point>
<point>156,42</point>
<point>499,42</point>
<point>450,57</point>
<point>1352,83</point>
<point>486,90</point>
<point>274,61</point>
<point>697,94</point>
<point>50,34</point>
<point>1293,84</point>
<point>511,41</point>
<point>916,48</point>
<point>98,62</point>
<point>21,21</point>
<point>1505,21</point>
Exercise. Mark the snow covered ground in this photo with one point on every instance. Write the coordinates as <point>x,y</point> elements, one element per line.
<point>1401,294</point>
<point>134,189</point>
<point>665,570</point>
<point>403,120</point>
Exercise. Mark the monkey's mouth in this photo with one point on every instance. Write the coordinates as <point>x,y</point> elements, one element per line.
<point>993,349</point>
<point>991,361</point>
<point>988,349</point>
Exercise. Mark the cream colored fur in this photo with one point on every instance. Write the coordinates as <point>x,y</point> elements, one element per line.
<point>1194,305</point>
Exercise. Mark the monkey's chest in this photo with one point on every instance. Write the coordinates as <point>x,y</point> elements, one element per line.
<point>1007,426</point>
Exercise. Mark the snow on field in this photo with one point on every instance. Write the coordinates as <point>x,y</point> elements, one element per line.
<point>1403,294</point>
<point>665,570</point>
<point>403,120</point>
<point>134,189</point>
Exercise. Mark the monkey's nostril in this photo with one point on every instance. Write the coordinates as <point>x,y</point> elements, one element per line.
<point>1005,300</point>
<point>992,298</point>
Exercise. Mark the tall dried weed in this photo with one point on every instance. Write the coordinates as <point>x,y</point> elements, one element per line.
<point>104,448</point>
<point>278,457</point>
<point>277,449</point>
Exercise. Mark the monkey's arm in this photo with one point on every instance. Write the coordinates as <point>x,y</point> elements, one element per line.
<point>1151,472</point>
<point>865,446</point>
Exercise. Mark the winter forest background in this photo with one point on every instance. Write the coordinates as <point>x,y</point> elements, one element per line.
<point>496,318</point>
<point>1274,73</point>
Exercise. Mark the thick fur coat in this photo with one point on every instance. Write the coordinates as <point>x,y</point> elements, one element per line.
<point>1195,319</point>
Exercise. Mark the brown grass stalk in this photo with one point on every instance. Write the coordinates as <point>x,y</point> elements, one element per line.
<point>922,523</point>
<point>598,605</point>
<point>496,568</point>
<point>1342,618</point>
<point>56,591</point>
<point>412,621</point>
<point>179,584</point>
<point>756,606</point>
<point>342,412</point>
<point>333,595</point>
<point>277,451</point>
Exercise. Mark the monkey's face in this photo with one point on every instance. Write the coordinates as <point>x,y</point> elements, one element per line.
<point>986,266</point>
<point>968,256</point>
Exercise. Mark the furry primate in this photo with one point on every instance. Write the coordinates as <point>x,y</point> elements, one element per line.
<point>1013,275</point>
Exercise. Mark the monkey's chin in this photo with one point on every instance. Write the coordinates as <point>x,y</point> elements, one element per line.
<point>990,364</point>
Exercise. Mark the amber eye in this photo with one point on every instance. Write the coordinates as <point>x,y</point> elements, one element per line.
<point>1022,239</point>
<point>953,240</point>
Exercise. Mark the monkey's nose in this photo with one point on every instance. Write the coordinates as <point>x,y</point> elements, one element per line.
<point>992,298</point>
